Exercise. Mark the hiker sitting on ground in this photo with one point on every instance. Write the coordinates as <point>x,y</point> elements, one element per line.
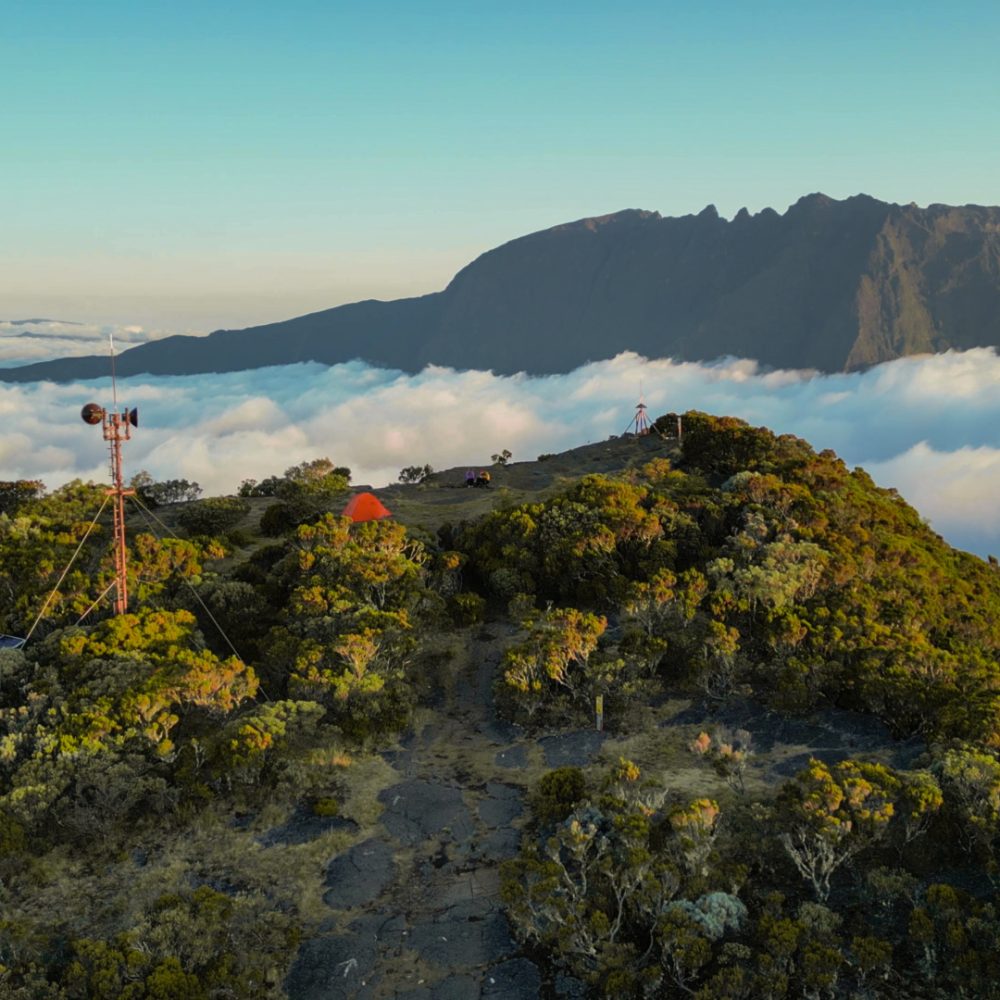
<point>470,478</point>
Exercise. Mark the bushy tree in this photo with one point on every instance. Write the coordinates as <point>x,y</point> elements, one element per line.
<point>214,516</point>
<point>554,656</point>
<point>154,494</point>
<point>252,747</point>
<point>415,473</point>
<point>971,784</point>
<point>304,491</point>
<point>346,631</point>
<point>832,813</point>
<point>195,944</point>
<point>161,670</point>
<point>57,537</point>
<point>15,494</point>
<point>621,905</point>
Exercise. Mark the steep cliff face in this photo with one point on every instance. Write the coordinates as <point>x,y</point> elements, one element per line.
<point>931,282</point>
<point>777,288</point>
<point>831,285</point>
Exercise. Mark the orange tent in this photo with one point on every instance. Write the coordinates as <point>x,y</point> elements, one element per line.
<point>365,507</point>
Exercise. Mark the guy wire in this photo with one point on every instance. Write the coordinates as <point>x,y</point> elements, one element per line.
<point>187,583</point>
<point>48,600</point>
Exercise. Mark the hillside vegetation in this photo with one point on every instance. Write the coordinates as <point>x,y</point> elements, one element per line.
<point>158,768</point>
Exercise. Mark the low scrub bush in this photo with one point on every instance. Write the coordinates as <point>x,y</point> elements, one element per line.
<point>213,516</point>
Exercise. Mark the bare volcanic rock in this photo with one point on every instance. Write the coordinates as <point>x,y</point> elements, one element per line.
<point>359,876</point>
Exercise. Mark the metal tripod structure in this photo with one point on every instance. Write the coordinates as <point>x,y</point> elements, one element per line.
<point>640,422</point>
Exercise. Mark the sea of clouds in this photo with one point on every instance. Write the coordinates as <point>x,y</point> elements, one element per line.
<point>25,341</point>
<point>929,426</point>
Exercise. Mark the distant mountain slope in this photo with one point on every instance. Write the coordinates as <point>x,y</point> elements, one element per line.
<point>833,285</point>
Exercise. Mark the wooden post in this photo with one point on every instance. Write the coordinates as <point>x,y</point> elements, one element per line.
<point>599,706</point>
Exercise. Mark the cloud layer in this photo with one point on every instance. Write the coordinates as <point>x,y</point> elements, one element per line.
<point>25,341</point>
<point>930,426</point>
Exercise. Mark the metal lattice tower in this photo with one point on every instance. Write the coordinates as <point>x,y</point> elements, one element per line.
<point>117,427</point>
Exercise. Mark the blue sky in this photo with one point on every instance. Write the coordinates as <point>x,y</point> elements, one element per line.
<point>192,165</point>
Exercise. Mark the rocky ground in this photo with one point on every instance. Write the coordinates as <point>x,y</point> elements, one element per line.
<point>414,907</point>
<point>415,912</point>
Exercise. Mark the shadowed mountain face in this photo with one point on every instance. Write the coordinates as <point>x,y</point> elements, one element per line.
<point>832,285</point>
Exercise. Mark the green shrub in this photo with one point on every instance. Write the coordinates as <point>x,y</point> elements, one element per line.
<point>12,837</point>
<point>373,719</point>
<point>467,609</point>
<point>302,498</point>
<point>239,538</point>
<point>154,494</point>
<point>172,491</point>
<point>414,473</point>
<point>213,516</point>
<point>520,607</point>
<point>558,794</point>
<point>17,493</point>
<point>277,520</point>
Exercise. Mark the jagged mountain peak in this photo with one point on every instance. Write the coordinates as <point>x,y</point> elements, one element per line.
<point>625,216</point>
<point>829,285</point>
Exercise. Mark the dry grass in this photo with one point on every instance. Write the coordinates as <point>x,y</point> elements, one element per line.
<point>443,497</point>
<point>101,898</point>
<point>663,755</point>
<point>366,777</point>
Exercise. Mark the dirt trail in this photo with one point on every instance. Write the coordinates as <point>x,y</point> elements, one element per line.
<point>415,912</point>
<point>414,906</point>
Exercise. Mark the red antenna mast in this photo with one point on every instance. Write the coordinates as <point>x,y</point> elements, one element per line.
<point>117,426</point>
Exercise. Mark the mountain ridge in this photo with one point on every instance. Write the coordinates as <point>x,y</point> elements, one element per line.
<point>828,285</point>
